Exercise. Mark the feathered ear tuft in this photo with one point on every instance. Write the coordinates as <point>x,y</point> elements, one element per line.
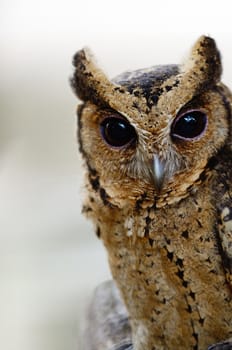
<point>204,64</point>
<point>89,82</point>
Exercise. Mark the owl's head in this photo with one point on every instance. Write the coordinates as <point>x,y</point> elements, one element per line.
<point>152,133</point>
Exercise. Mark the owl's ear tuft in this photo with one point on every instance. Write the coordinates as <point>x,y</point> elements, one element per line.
<point>89,82</point>
<point>204,64</point>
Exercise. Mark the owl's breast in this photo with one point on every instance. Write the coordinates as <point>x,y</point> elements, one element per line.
<point>168,266</point>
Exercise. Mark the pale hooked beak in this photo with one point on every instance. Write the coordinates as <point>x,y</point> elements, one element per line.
<point>158,172</point>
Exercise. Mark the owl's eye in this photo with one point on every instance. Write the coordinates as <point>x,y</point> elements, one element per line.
<point>117,131</point>
<point>190,125</point>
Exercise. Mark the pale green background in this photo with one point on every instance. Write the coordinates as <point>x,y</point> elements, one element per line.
<point>50,260</point>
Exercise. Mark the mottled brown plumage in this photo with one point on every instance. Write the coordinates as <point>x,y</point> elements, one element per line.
<point>157,144</point>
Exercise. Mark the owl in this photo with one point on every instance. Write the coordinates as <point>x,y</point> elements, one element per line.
<point>157,149</point>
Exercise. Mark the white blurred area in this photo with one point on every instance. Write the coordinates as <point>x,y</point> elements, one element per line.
<point>50,258</point>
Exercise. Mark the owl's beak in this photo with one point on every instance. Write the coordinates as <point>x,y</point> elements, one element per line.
<point>158,172</point>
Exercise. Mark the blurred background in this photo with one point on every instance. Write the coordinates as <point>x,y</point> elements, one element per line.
<point>50,259</point>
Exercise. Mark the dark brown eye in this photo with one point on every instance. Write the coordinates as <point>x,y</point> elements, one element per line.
<point>117,132</point>
<point>190,125</point>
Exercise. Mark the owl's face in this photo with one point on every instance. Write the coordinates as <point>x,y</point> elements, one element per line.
<point>151,133</point>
